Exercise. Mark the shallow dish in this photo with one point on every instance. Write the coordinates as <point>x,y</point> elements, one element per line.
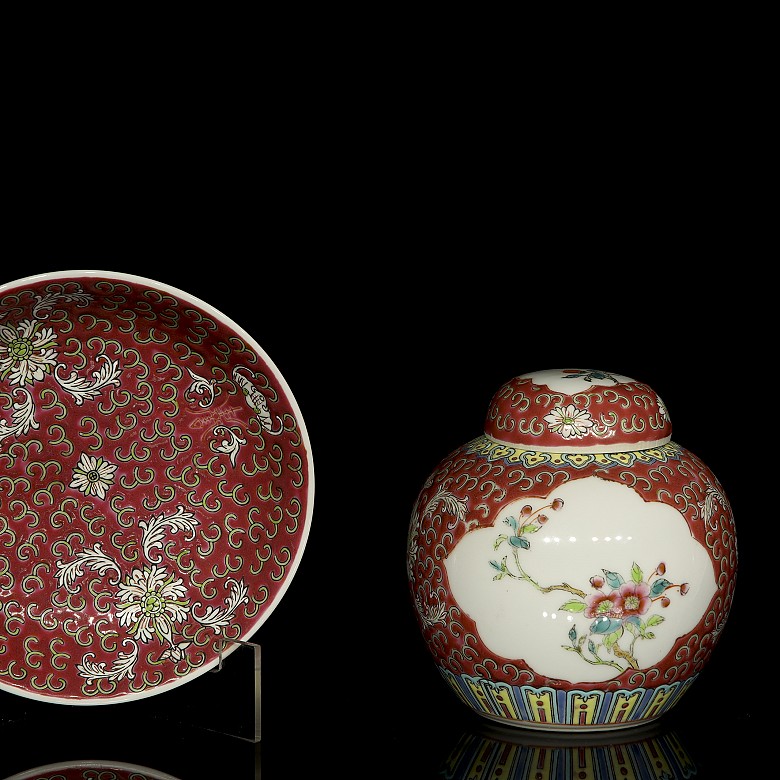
<point>156,487</point>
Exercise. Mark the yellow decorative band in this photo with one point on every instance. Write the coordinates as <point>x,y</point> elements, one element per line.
<point>493,451</point>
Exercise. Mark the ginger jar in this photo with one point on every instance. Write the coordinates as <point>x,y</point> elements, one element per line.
<point>572,568</point>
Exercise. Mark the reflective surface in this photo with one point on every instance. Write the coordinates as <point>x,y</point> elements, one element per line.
<point>438,742</point>
<point>504,754</point>
<point>91,770</point>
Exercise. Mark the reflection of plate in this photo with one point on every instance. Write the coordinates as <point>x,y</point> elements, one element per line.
<point>156,487</point>
<point>91,770</point>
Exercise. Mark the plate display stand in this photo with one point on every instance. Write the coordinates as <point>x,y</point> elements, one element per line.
<point>226,702</point>
<point>253,732</point>
<point>217,715</point>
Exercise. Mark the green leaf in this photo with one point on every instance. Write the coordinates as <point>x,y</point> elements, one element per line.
<point>614,580</point>
<point>659,586</point>
<point>636,574</point>
<point>655,620</point>
<point>519,541</point>
<point>501,539</point>
<point>495,565</point>
<point>604,625</point>
<point>573,606</point>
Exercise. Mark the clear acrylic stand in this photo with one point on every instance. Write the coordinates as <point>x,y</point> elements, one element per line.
<point>253,734</point>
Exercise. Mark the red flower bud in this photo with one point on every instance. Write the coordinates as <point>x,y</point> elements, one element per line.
<point>597,582</point>
<point>661,569</point>
<point>526,510</point>
<point>557,503</point>
<point>665,601</point>
<point>684,588</point>
<point>542,519</point>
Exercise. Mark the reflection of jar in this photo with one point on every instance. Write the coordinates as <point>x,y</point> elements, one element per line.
<point>517,754</point>
<point>572,568</point>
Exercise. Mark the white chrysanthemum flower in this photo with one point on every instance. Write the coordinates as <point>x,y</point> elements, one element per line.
<point>93,476</point>
<point>27,352</point>
<point>569,421</point>
<point>151,601</point>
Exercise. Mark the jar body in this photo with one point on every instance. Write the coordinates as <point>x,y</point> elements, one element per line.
<point>580,590</point>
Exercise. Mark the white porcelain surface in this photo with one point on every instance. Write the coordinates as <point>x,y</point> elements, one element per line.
<point>601,525</point>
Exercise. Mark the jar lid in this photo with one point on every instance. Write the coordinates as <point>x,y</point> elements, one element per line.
<point>578,410</point>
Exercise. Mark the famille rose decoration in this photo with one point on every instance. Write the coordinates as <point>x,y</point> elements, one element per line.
<point>572,568</point>
<point>156,487</point>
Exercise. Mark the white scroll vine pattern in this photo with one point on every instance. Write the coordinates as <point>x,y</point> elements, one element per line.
<point>29,353</point>
<point>203,390</point>
<point>151,601</point>
<point>434,612</point>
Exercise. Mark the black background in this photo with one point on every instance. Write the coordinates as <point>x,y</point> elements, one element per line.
<point>392,349</point>
<point>405,215</point>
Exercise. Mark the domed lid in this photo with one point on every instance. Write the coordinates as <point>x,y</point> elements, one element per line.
<point>578,410</point>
